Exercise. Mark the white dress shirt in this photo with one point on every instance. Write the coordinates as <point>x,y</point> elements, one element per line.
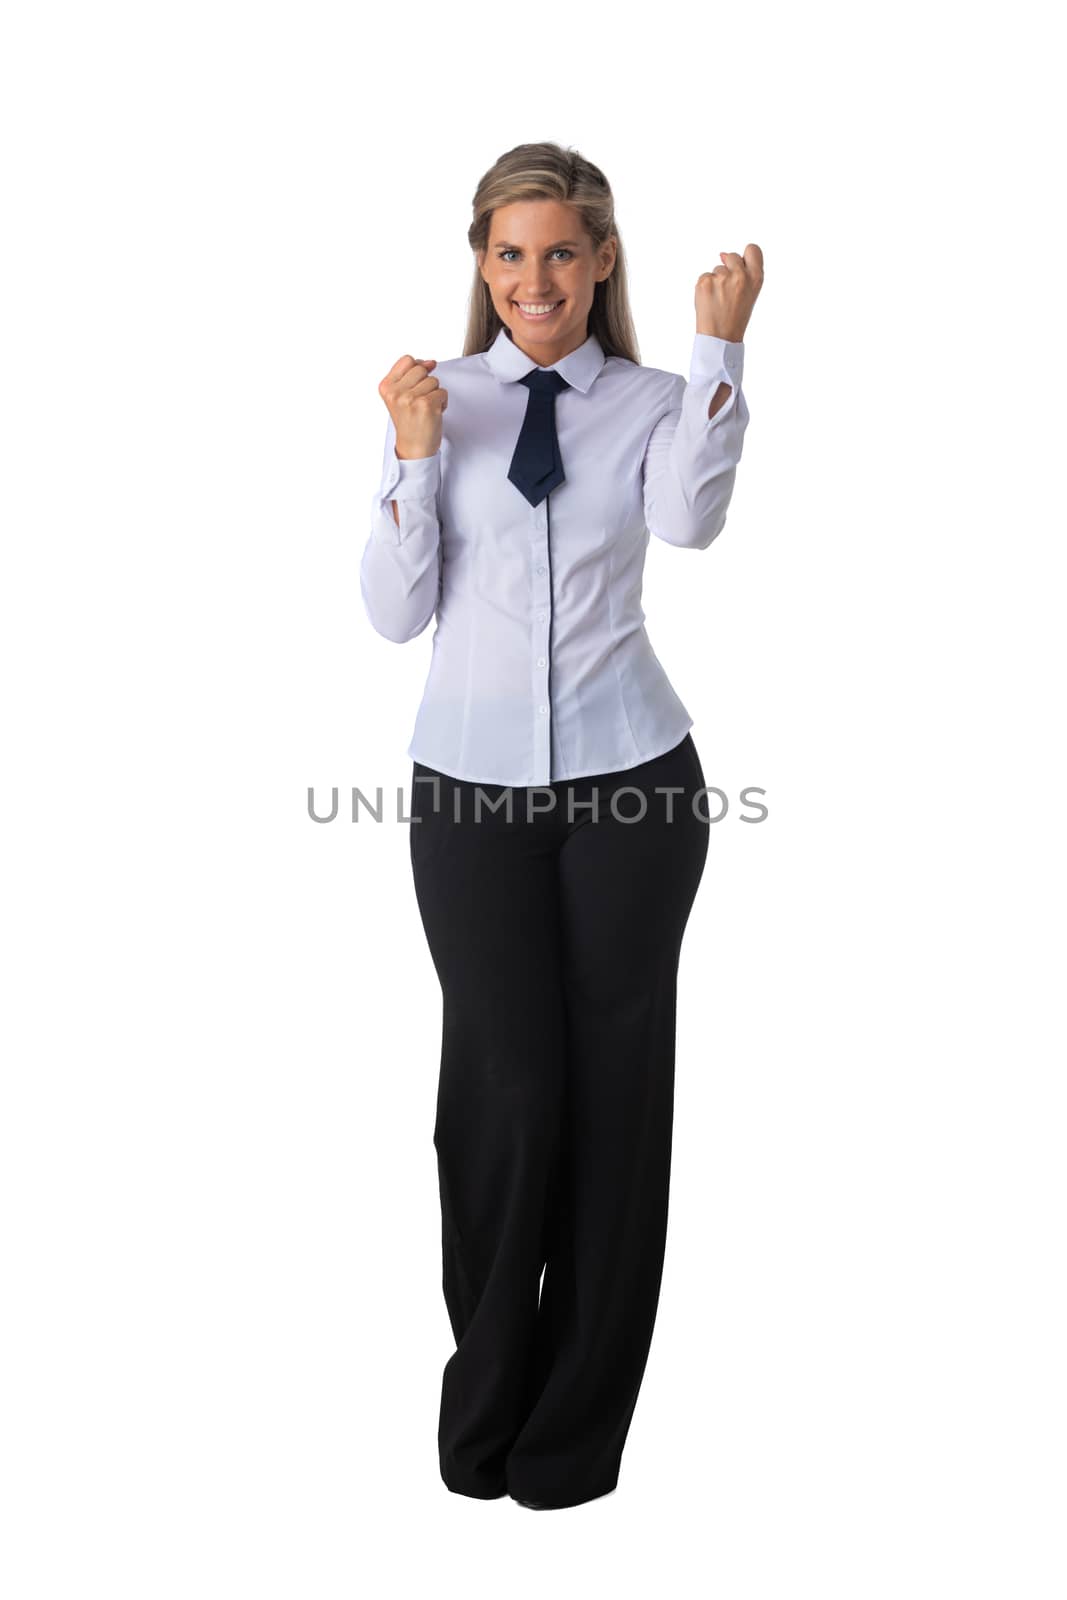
<point>541,668</point>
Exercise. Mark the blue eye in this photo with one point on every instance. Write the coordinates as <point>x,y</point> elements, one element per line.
<point>560,250</point>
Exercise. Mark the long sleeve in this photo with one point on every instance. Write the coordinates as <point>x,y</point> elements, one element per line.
<point>400,573</point>
<point>691,459</point>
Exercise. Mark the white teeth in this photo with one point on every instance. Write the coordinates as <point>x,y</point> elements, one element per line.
<point>538,311</point>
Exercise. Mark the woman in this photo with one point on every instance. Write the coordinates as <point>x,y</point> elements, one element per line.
<point>557,835</point>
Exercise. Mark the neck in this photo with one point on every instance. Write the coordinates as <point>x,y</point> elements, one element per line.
<point>546,357</point>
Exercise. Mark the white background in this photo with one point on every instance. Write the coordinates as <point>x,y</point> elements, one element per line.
<point>223,1327</point>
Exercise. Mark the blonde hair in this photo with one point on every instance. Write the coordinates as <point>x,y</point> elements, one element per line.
<point>549,172</point>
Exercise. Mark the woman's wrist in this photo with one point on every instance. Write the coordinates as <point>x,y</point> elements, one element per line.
<point>734,336</point>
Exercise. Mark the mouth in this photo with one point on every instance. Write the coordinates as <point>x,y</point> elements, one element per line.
<point>538,315</point>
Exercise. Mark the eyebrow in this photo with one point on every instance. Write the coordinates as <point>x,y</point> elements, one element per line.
<point>502,244</point>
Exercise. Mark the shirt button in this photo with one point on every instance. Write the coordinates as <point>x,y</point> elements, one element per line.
<point>540,661</point>
<point>540,616</point>
<point>542,708</point>
<point>540,569</point>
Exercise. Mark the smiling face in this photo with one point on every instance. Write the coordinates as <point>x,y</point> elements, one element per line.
<point>539,255</point>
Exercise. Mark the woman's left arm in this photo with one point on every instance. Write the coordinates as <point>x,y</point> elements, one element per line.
<point>692,455</point>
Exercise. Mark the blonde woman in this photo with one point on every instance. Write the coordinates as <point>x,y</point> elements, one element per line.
<point>558,832</point>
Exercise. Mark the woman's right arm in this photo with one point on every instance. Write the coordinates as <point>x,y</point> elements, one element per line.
<point>400,575</point>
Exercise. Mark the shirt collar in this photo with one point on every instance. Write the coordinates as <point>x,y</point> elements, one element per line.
<point>508,363</point>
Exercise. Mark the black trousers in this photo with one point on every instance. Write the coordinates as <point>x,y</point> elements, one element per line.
<point>555,924</point>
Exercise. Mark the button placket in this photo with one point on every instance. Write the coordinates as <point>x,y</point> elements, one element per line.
<point>542,593</point>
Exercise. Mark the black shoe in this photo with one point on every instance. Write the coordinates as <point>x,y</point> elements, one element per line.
<point>564,1505</point>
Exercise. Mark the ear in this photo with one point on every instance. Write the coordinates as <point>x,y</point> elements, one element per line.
<point>607,256</point>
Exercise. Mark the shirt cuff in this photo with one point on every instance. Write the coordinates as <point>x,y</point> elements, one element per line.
<point>411,480</point>
<point>717,358</point>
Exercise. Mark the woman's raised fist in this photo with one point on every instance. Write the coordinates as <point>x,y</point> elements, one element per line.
<point>415,400</point>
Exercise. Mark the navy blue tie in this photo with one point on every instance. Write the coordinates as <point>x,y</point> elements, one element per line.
<point>536,466</point>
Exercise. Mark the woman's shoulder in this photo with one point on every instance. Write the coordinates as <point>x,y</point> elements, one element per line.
<point>658,376</point>
<point>653,385</point>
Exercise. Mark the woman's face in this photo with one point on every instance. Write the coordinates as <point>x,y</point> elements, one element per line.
<point>539,254</point>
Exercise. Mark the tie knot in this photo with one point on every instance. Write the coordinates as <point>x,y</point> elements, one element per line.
<point>541,382</point>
